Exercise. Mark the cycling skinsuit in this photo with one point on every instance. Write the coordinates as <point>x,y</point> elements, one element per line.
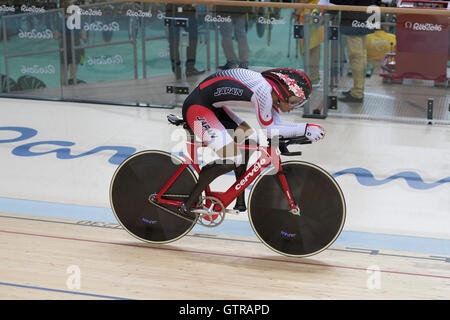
<point>207,109</point>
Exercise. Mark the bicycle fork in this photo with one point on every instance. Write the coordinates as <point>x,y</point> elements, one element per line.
<point>287,191</point>
<point>276,162</point>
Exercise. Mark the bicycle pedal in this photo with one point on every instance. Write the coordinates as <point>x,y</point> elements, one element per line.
<point>186,213</point>
<point>240,207</point>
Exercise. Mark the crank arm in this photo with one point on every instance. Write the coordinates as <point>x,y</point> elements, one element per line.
<point>152,200</point>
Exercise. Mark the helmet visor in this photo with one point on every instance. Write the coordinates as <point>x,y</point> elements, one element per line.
<point>296,102</point>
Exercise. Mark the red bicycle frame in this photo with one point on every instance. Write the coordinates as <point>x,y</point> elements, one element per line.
<point>269,155</point>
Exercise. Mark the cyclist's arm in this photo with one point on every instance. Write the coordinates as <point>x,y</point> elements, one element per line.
<point>270,121</point>
<point>312,131</point>
<point>298,128</point>
<point>277,120</point>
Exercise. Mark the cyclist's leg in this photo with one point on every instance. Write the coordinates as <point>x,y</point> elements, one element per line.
<point>210,128</point>
<point>174,42</point>
<point>243,134</point>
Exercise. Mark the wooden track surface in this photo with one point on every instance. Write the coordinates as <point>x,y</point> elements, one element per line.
<point>37,255</point>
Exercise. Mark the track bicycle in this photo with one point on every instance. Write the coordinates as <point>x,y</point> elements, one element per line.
<point>294,207</point>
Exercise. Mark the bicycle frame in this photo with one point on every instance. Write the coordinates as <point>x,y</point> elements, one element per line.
<point>269,155</point>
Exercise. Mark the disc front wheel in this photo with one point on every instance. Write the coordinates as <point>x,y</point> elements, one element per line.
<point>320,201</point>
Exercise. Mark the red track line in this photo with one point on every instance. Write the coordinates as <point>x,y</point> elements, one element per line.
<point>224,254</point>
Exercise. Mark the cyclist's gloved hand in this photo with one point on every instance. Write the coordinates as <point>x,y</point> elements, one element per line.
<point>314,132</point>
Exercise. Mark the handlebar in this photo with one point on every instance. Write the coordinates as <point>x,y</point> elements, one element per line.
<point>283,144</point>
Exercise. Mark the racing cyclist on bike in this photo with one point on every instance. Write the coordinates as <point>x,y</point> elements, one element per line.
<point>207,112</point>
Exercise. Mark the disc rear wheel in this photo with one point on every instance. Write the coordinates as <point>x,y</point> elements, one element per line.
<point>135,181</point>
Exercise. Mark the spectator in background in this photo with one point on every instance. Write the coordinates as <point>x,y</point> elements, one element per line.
<point>316,38</point>
<point>354,27</point>
<point>74,56</point>
<point>237,28</point>
<point>183,11</point>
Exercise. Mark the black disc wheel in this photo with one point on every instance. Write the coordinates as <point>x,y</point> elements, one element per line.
<point>321,216</point>
<point>135,180</point>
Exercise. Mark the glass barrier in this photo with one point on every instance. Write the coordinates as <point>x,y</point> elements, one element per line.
<point>31,50</point>
<point>395,66</point>
<point>376,64</point>
<point>104,51</point>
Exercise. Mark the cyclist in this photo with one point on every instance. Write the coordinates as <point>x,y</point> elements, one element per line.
<point>207,112</point>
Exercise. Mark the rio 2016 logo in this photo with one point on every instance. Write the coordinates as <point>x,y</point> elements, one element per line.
<point>416,26</point>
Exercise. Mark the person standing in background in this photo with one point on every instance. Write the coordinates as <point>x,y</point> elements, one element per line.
<point>238,23</point>
<point>183,11</point>
<point>355,27</point>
